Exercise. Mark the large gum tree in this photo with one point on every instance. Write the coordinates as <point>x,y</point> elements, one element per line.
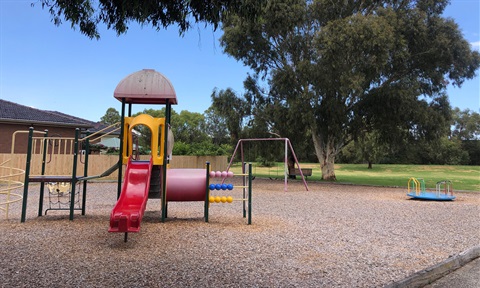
<point>339,68</point>
<point>118,15</point>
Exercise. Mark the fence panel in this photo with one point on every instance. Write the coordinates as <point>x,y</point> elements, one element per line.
<point>97,164</point>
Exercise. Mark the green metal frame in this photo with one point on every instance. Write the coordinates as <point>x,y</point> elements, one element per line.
<point>207,192</point>
<point>244,183</point>
<point>249,194</point>
<point>42,184</point>
<point>74,179</point>
<point>27,174</point>
<point>120,154</point>
<point>168,111</point>
<point>85,173</point>
<point>74,174</point>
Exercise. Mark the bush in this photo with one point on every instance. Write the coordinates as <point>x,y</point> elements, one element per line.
<point>263,162</point>
<point>472,147</point>
<point>205,148</point>
<point>112,151</point>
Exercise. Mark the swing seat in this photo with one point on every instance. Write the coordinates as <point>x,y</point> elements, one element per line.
<point>296,172</point>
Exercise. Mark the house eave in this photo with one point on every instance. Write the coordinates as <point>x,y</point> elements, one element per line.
<point>44,123</point>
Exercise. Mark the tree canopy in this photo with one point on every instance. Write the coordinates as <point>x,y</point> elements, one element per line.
<point>190,130</point>
<point>336,70</point>
<point>232,110</point>
<point>466,124</point>
<point>111,116</point>
<point>86,15</point>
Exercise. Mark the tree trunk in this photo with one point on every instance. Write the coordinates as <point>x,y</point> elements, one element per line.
<point>369,164</point>
<point>326,156</point>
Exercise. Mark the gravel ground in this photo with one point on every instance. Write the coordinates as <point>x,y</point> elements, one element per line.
<point>330,236</point>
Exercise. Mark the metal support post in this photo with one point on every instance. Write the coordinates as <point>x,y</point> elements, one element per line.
<point>164,170</point>
<point>120,154</point>
<point>244,194</point>
<point>27,175</point>
<point>74,174</point>
<point>42,184</point>
<point>250,194</point>
<point>85,172</point>
<point>207,192</point>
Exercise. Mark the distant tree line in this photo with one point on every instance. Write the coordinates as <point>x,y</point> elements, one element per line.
<point>458,146</point>
<point>217,131</point>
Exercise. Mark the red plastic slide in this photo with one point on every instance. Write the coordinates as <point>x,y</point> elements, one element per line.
<point>128,212</point>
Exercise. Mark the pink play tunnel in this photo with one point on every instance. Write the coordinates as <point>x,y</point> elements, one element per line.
<point>186,185</point>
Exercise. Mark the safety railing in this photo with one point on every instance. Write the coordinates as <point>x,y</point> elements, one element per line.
<point>8,186</point>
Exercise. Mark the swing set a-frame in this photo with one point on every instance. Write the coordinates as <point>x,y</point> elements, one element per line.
<point>288,146</point>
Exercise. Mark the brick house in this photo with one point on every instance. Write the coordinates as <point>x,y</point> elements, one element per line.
<point>15,117</point>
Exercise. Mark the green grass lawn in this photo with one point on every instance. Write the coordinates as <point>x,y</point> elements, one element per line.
<point>463,177</point>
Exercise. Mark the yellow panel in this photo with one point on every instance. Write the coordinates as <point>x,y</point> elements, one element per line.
<point>156,126</point>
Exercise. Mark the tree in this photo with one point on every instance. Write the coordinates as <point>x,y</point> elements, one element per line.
<point>270,118</point>
<point>233,109</point>
<point>189,127</point>
<point>370,148</point>
<point>160,14</point>
<point>216,127</point>
<point>466,124</point>
<point>112,116</point>
<point>466,130</point>
<point>345,66</point>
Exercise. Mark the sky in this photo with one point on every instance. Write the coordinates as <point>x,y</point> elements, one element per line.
<point>57,68</point>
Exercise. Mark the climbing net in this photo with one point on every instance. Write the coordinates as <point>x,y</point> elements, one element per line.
<point>59,196</point>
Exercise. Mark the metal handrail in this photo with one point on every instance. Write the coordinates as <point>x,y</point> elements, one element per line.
<point>100,131</point>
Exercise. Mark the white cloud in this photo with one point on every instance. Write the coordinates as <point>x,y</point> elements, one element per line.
<point>475,45</point>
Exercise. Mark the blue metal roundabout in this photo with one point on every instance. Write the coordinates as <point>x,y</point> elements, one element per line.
<point>443,190</point>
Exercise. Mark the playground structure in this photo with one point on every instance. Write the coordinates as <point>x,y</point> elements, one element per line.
<point>443,190</point>
<point>153,179</point>
<point>288,146</point>
<point>44,149</point>
<point>63,188</point>
<point>143,179</point>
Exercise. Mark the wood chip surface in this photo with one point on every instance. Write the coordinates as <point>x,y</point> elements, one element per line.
<point>330,236</point>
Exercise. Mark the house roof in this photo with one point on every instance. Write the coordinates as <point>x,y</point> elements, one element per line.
<point>16,113</point>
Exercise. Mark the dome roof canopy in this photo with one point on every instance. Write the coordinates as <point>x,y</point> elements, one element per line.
<point>146,86</point>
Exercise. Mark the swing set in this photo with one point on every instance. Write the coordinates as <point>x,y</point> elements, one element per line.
<point>288,146</point>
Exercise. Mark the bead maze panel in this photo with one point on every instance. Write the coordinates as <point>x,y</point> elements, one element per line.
<point>217,190</point>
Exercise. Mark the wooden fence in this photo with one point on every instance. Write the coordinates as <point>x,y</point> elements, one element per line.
<point>97,164</point>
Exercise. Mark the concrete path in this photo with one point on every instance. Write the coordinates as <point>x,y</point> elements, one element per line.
<point>460,271</point>
<point>467,276</point>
